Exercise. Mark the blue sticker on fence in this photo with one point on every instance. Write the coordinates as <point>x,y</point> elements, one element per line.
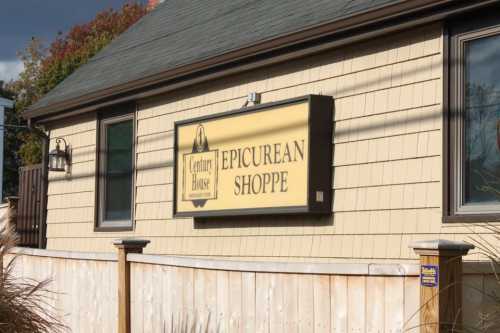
<point>429,275</point>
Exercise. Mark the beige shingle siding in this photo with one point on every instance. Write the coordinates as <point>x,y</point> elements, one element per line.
<point>387,161</point>
<point>71,199</point>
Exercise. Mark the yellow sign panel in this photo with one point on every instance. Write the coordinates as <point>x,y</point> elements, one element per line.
<point>245,162</point>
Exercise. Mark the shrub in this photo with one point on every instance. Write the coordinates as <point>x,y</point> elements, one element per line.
<point>491,317</point>
<point>24,303</point>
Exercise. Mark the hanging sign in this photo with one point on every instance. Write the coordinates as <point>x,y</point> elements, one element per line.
<point>268,159</point>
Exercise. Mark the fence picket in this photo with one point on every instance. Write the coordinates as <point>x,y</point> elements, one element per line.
<point>339,304</point>
<point>306,304</point>
<point>291,303</point>
<point>356,293</point>
<point>375,300</point>
<point>248,301</point>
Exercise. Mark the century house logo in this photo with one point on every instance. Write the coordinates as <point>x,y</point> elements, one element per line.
<point>200,171</point>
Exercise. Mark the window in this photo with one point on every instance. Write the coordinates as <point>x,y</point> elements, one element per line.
<point>474,124</point>
<point>116,169</point>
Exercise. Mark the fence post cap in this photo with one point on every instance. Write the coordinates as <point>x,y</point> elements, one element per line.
<point>441,246</point>
<point>129,243</point>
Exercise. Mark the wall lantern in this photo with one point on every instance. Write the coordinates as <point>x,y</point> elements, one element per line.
<point>59,158</point>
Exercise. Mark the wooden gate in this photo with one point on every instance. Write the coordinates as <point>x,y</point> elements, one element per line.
<point>29,213</point>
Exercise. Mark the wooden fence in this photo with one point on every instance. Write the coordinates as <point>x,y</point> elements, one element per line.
<point>169,293</point>
<point>84,286</point>
<point>29,207</point>
<point>257,297</point>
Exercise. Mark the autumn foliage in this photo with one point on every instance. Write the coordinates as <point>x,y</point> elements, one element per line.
<point>69,51</point>
<point>46,67</point>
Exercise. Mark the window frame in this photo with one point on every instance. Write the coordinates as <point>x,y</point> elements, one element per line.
<point>104,119</point>
<point>456,35</point>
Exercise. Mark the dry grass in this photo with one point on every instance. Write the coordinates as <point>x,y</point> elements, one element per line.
<point>490,319</point>
<point>24,303</point>
<point>189,324</point>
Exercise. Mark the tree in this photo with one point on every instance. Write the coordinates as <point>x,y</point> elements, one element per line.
<point>45,68</point>
<point>21,146</point>
<point>69,51</point>
<point>4,92</point>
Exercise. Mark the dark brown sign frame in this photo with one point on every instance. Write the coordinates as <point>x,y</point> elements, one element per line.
<point>319,165</point>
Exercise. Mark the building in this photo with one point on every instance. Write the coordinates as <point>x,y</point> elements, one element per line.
<point>414,120</point>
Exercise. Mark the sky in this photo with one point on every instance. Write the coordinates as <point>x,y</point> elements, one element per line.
<point>20,20</point>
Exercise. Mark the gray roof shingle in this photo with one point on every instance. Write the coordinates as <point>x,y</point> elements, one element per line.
<point>182,32</point>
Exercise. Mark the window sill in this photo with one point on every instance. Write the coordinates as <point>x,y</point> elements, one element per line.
<point>113,229</point>
<point>477,218</point>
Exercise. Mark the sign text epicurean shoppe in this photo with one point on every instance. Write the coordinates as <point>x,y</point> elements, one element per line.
<point>277,153</point>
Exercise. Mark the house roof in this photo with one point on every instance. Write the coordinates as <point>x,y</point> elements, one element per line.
<point>183,33</point>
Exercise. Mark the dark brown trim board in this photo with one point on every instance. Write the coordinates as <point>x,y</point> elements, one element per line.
<point>42,233</point>
<point>395,16</point>
<point>319,173</point>
<point>445,124</point>
<point>476,25</point>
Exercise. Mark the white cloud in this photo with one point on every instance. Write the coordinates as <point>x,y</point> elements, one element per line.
<point>10,69</point>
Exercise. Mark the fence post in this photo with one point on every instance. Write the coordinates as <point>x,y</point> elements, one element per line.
<point>124,247</point>
<point>440,284</point>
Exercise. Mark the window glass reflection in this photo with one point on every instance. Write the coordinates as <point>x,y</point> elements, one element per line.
<point>119,161</point>
<point>482,121</point>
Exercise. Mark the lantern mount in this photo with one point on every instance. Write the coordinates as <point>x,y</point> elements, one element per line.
<point>59,158</point>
